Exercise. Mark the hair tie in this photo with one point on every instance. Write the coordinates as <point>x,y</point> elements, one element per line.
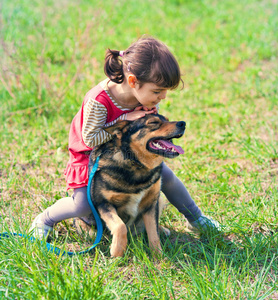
<point>121,53</point>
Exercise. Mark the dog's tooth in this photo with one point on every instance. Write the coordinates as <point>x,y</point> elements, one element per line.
<point>157,145</point>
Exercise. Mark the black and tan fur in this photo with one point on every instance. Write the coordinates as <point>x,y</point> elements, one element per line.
<point>126,186</point>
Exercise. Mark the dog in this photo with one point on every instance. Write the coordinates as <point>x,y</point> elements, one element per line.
<point>126,186</point>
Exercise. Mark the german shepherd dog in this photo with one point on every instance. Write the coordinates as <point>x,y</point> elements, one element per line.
<point>126,186</point>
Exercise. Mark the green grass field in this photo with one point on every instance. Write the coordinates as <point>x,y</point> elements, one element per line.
<point>52,53</point>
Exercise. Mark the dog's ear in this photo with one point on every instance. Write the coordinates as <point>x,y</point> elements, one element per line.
<point>117,128</point>
<point>164,118</point>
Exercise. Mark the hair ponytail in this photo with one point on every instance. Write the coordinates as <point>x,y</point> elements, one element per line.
<point>113,66</point>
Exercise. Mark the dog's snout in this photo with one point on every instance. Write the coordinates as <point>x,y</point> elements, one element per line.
<point>181,124</point>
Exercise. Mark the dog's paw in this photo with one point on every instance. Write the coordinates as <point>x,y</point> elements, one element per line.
<point>118,248</point>
<point>119,241</point>
<point>164,230</point>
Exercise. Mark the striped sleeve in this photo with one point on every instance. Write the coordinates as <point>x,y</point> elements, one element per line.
<point>95,115</point>
<point>122,117</point>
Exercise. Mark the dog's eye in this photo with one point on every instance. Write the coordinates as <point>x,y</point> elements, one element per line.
<point>153,122</point>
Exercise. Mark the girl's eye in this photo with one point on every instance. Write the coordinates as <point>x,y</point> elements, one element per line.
<point>156,93</point>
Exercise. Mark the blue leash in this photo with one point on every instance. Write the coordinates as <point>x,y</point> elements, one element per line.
<point>56,250</point>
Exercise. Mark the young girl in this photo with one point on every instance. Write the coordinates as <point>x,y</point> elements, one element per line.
<point>138,79</point>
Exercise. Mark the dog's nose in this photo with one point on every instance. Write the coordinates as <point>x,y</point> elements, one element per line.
<point>181,124</point>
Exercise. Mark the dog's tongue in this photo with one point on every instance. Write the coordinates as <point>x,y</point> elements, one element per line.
<point>169,145</point>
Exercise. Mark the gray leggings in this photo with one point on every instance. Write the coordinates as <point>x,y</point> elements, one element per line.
<point>78,206</point>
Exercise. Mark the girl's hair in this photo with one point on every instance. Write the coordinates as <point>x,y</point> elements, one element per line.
<point>148,59</point>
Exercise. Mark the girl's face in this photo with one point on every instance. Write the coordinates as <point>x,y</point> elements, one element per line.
<point>149,94</point>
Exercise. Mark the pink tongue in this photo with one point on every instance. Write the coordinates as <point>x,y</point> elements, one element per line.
<point>169,145</point>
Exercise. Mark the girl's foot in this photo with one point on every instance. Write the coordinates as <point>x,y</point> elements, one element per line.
<point>39,229</point>
<point>204,223</point>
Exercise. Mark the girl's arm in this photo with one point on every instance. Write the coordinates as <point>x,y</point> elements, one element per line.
<point>95,115</point>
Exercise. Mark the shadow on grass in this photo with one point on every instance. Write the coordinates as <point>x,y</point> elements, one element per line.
<point>238,250</point>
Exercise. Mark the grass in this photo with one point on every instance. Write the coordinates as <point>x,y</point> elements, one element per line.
<point>51,54</point>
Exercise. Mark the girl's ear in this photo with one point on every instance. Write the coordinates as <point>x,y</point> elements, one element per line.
<point>131,79</point>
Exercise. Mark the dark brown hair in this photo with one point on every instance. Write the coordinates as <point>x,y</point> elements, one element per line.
<point>148,59</point>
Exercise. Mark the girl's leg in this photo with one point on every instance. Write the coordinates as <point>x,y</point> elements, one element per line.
<point>66,208</point>
<point>177,194</point>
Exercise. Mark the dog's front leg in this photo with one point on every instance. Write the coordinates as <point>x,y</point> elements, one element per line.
<point>117,227</point>
<point>150,218</point>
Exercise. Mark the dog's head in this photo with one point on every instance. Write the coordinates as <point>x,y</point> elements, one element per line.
<point>148,137</point>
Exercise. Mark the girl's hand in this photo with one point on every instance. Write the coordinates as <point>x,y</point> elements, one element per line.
<point>153,109</point>
<point>140,112</point>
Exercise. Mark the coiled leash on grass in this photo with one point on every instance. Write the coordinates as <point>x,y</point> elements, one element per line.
<point>99,226</point>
